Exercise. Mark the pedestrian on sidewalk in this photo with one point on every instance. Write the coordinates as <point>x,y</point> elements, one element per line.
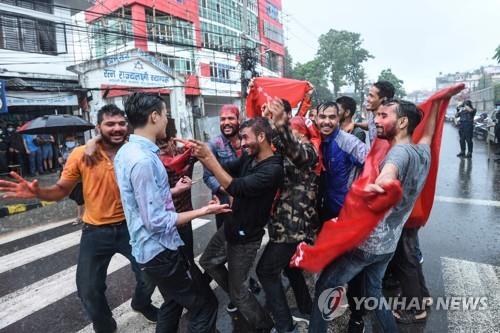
<point>34,155</point>
<point>293,220</point>
<point>104,231</point>
<point>252,181</point>
<point>152,220</point>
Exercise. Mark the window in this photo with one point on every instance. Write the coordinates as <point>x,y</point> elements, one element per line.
<point>45,6</point>
<point>29,35</point>
<point>273,33</point>
<point>112,32</point>
<point>273,61</point>
<point>164,28</point>
<point>180,65</point>
<point>222,73</point>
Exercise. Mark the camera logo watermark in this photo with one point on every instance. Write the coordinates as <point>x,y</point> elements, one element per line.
<point>332,303</point>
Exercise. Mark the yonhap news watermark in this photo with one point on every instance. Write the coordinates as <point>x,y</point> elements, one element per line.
<point>332,303</point>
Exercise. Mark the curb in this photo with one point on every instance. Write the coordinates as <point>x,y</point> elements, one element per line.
<point>21,208</point>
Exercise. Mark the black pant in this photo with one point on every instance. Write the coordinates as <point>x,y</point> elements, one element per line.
<point>186,234</point>
<point>274,260</point>
<point>465,131</point>
<point>181,285</point>
<point>233,279</point>
<point>97,246</point>
<point>407,268</point>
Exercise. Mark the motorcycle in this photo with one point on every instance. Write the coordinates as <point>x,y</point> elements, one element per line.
<point>481,127</point>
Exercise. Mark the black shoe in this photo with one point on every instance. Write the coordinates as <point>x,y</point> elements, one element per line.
<point>150,312</point>
<point>231,308</point>
<point>356,326</point>
<point>254,286</point>
<point>461,155</point>
<point>110,329</point>
<point>469,155</point>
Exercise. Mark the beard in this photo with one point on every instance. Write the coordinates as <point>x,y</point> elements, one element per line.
<point>387,132</point>
<point>107,140</point>
<point>234,130</point>
<point>251,149</point>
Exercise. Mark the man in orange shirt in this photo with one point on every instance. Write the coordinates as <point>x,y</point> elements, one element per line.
<point>104,231</point>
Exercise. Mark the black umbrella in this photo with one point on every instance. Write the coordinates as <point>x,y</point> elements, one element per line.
<point>55,124</point>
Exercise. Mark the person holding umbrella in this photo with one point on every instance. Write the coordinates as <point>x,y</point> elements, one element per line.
<point>104,231</point>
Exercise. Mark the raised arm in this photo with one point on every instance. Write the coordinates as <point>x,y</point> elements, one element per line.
<point>430,125</point>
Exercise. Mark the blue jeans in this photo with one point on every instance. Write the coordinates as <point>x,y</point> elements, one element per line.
<point>35,161</point>
<point>341,271</point>
<point>97,245</point>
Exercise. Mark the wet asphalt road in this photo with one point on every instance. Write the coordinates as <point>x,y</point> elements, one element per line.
<point>460,244</point>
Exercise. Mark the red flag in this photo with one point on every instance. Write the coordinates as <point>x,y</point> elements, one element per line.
<point>266,88</point>
<point>423,205</point>
<point>363,211</point>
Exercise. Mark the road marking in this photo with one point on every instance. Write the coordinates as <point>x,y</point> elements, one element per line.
<point>40,294</point>
<point>41,250</point>
<point>15,235</point>
<point>470,279</point>
<point>465,201</point>
<point>129,321</point>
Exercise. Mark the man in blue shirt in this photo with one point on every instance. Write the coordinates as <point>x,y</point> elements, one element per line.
<point>152,220</point>
<point>343,157</point>
<point>34,154</point>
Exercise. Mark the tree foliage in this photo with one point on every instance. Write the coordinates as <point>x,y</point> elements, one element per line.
<point>497,54</point>
<point>314,72</point>
<point>388,75</point>
<point>342,55</point>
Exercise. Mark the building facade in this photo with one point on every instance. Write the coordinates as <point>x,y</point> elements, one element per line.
<point>36,46</point>
<point>200,41</point>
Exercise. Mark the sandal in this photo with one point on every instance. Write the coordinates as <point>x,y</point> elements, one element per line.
<point>409,317</point>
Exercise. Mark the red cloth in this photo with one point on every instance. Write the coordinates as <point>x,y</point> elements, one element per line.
<point>304,106</point>
<point>423,205</point>
<point>178,163</point>
<point>363,211</point>
<point>266,88</point>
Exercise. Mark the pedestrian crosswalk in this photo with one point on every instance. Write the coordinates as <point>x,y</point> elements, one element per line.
<point>34,297</point>
<point>33,304</point>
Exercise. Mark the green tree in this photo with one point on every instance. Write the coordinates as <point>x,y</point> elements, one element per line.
<point>342,55</point>
<point>497,54</point>
<point>288,65</point>
<point>388,75</point>
<point>314,72</point>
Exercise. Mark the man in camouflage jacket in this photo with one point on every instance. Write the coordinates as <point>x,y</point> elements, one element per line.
<point>292,221</point>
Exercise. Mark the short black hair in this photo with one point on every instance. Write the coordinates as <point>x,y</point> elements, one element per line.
<point>109,110</point>
<point>348,104</point>
<point>409,110</point>
<point>331,104</point>
<point>287,106</point>
<point>259,125</point>
<point>139,106</point>
<point>385,89</point>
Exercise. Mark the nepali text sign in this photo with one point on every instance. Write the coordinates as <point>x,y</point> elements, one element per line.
<point>42,100</point>
<point>135,73</point>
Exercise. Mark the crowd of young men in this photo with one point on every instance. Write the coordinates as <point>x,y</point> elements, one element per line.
<point>266,171</point>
